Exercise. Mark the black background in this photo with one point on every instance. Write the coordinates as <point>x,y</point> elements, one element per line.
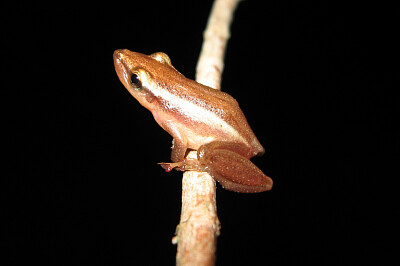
<point>81,185</point>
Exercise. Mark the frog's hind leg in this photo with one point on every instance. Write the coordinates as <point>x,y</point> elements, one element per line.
<point>227,163</point>
<point>232,170</point>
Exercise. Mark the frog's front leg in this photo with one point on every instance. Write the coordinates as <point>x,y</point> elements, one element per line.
<point>177,157</point>
<point>178,153</point>
<point>179,145</point>
<point>227,163</point>
<point>179,149</point>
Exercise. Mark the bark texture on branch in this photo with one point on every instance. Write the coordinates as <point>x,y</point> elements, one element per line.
<point>198,228</point>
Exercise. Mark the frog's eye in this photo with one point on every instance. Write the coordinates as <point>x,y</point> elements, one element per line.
<point>135,81</point>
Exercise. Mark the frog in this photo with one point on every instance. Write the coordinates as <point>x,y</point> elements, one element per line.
<point>198,118</point>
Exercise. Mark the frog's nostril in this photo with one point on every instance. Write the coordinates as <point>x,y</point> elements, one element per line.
<point>117,54</point>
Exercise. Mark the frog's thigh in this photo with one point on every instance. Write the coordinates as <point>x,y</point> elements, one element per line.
<point>206,149</point>
<point>235,172</point>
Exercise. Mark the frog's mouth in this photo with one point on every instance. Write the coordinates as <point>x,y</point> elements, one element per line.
<point>121,67</point>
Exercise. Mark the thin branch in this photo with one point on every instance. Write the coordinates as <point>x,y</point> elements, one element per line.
<point>199,225</point>
<point>211,60</point>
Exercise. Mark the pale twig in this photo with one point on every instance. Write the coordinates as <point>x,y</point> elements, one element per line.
<point>198,228</point>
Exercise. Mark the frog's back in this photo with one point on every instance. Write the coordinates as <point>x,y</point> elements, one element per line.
<point>217,114</point>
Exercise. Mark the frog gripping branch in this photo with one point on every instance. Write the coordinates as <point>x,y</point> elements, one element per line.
<point>198,118</point>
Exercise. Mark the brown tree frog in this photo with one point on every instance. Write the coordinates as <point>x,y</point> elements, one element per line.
<point>198,118</point>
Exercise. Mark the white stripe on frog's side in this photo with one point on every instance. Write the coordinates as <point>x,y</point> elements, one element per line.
<point>196,112</point>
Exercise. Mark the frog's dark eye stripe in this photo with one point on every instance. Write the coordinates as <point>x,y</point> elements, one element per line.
<point>135,81</point>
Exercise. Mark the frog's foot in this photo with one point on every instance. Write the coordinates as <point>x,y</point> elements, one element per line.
<point>169,166</point>
<point>185,165</point>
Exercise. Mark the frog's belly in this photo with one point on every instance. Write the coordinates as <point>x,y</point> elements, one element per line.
<point>194,141</point>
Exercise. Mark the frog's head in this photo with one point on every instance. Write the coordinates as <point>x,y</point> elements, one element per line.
<point>145,76</point>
